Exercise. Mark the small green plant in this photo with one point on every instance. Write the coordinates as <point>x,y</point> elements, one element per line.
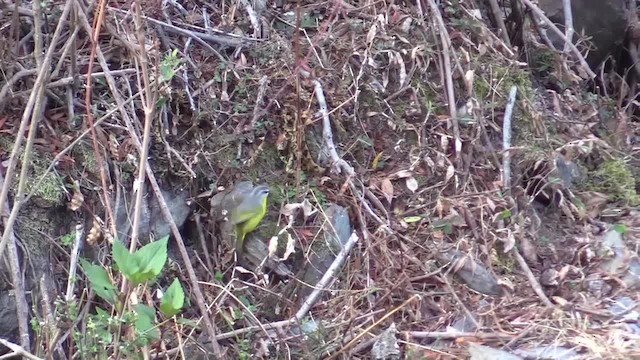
<point>68,239</point>
<point>103,337</point>
<point>170,65</point>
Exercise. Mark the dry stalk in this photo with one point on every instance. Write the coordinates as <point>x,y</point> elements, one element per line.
<point>446,46</point>
<point>326,278</point>
<point>95,33</point>
<point>30,108</point>
<point>17,351</point>
<point>210,326</point>
<point>568,24</point>
<point>506,137</point>
<point>555,29</point>
<point>497,16</point>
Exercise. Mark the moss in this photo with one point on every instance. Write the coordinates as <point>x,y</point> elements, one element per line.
<point>614,178</point>
<point>542,61</point>
<point>503,77</point>
<point>50,190</point>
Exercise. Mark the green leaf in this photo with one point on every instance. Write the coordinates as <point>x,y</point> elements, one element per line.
<point>444,225</point>
<point>172,300</point>
<point>150,259</point>
<point>187,322</point>
<point>621,228</point>
<point>100,281</point>
<point>412,219</point>
<point>505,214</point>
<point>123,259</point>
<point>145,322</point>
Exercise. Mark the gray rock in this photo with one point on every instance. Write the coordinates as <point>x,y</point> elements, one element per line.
<point>386,346</point>
<point>604,21</point>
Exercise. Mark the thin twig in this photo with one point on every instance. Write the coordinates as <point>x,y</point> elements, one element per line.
<point>497,16</point>
<point>22,308</point>
<point>38,91</point>
<point>555,29</point>
<point>506,139</point>
<point>338,163</point>
<point>17,351</point>
<point>451,98</point>
<point>326,278</point>
<point>568,24</point>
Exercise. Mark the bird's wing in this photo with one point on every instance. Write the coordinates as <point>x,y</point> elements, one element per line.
<point>245,211</point>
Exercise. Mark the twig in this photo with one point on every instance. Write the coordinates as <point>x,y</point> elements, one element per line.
<point>9,84</point>
<point>98,74</point>
<point>446,45</point>
<point>497,16</point>
<point>22,308</point>
<point>17,351</point>
<point>506,163</point>
<point>338,163</point>
<point>555,29</point>
<point>568,24</point>
<point>456,335</point>
<point>74,261</point>
<point>326,278</point>
<point>253,18</point>
<point>262,90</point>
<point>88,96</point>
<point>222,39</point>
<point>210,326</point>
<point>532,279</point>
<point>506,139</point>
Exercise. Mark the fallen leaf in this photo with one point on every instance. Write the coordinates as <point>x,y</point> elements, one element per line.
<point>273,245</point>
<point>412,219</point>
<point>387,189</point>
<point>412,184</point>
<point>450,172</point>
<point>291,247</point>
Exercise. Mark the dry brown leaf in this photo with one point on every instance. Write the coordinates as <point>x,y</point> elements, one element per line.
<point>450,172</point>
<point>77,199</point>
<point>387,189</point>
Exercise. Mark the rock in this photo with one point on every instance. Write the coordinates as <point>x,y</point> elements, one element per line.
<point>547,352</point>
<point>152,222</point>
<point>481,352</point>
<point>604,21</point>
<point>386,346</point>
<point>336,233</point>
<point>473,274</point>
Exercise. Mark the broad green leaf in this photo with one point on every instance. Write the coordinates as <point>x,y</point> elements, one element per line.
<point>100,281</point>
<point>145,322</point>
<point>172,300</point>
<point>150,259</point>
<point>123,258</point>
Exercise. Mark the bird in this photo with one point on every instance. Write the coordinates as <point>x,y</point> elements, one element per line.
<point>243,207</point>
